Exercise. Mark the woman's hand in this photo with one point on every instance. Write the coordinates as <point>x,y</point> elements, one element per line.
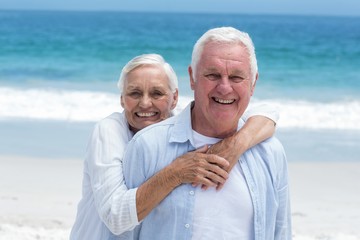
<point>229,149</point>
<point>199,167</point>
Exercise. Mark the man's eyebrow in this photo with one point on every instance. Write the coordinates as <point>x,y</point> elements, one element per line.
<point>238,72</point>
<point>210,69</point>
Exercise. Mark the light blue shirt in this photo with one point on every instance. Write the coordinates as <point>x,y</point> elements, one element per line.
<point>264,167</point>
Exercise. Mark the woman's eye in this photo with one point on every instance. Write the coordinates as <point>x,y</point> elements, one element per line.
<point>157,94</point>
<point>134,94</point>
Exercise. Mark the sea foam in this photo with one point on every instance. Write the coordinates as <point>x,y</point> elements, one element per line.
<point>91,106</point>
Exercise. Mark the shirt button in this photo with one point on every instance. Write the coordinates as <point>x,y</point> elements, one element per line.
<point>187,225</point>
<point>191,192</point>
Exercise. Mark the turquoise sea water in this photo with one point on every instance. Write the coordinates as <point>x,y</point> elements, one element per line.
<point>294,52</point>
<point>63,66</point>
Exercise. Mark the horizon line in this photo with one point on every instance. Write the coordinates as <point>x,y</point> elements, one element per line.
<point>182,12</point>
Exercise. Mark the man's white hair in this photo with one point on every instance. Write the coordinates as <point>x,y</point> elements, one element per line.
<point>225,35</point>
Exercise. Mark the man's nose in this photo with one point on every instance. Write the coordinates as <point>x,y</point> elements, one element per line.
<point>224,86</point>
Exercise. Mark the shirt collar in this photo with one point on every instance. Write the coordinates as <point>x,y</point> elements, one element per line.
<point>182,130</point>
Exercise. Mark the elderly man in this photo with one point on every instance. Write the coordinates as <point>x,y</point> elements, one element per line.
<point>254,202</point>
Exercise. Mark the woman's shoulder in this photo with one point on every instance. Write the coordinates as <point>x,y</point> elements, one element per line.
<point>116,118</point>
<point>114,123</point>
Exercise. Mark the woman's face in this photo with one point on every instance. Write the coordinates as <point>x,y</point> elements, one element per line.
<point>147,98</point>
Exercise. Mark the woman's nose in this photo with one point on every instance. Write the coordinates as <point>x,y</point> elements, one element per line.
<point>145,101</point>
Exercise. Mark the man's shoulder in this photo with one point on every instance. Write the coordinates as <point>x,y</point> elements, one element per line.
<point>270,151</point>
<point>272,144</point>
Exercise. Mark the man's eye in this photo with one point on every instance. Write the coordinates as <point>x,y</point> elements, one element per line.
<point>213,76</point>
<point>236,78</point>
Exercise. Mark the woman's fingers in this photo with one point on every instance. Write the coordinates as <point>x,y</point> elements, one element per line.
<point>217,160</point>
<point>210,172</point>
<point>203,169</point>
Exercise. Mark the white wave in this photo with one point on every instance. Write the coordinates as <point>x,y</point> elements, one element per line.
<point>55,104</point>
<point>91,106</point>
<point>316,115</point>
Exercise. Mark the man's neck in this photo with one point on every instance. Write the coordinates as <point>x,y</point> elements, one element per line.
<point>215,129</point>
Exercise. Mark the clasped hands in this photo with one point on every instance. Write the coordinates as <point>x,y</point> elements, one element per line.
<point>208,166</point>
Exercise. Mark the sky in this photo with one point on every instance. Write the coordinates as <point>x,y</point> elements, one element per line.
<point>302,7</point>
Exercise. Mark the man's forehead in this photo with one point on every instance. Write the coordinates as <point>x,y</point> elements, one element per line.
<point>212,63</point>
<point>225,51</point>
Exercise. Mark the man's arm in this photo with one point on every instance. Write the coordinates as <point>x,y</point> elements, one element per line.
<point>283,216</point>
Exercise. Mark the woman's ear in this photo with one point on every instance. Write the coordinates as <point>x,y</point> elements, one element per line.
<point>122,101</point>
<point>192,80</point>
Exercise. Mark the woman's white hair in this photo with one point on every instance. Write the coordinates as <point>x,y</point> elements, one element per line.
<point>150,60</point>
<point>225,35</point>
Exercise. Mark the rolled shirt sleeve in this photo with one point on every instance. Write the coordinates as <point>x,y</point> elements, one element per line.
<point>265,110</point>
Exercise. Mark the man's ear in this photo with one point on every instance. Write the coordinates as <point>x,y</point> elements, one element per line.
<point>253,84</point>
<point>192,80</point>
<point>176,98</point>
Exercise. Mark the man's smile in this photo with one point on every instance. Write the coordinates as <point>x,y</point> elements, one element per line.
<point>223,101</point>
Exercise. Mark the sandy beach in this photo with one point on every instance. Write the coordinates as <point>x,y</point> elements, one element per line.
<point>39,196</point>
<point>325,200</point>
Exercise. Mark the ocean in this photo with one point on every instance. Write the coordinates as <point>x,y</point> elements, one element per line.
<point>58,75</point>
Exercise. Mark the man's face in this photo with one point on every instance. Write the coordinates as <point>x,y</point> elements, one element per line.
<point>222,89</point>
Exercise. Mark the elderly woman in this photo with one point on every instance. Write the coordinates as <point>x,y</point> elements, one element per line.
<point>149,93</point>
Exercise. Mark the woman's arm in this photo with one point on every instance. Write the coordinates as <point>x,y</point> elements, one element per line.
<point>207,170</point>
<point>113,202</point>
<point>120,208</point>
<point>193,167</point>
<point>255,130</point>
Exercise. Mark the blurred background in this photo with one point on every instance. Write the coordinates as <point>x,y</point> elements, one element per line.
<point>59,68</point>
